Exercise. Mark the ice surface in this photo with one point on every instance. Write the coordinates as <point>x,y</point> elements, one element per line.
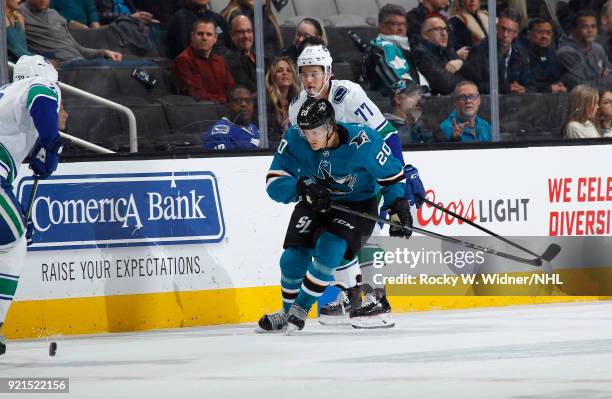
<point>537,352</point>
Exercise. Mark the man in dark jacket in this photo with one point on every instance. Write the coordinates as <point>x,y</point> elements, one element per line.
<point>181,24</point>
<point>582,59</point>
<point>418,15</point>
<point>542,55</point>
<point>513,66</point>
<point>442,68</point>
<point>242,59</point>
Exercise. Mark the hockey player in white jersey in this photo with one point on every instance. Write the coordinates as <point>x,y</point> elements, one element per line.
<point>29,110</point>
<point>351,104</point>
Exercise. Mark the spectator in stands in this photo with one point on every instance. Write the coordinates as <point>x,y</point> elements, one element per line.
<point>464,124</point>
<point>605,35</point>
<point>109,10</point>
<point>407,112</point>
<point>308,27</point>
<point>80,14</point>
<point>442,68</point>
<point>181,23</point>
<point>604,114</point>
<point>542,55</point>
<point>161,9</point>
<point>513,70</point>
<point>567,11</point>
<point>417,16</point>
<point>390,58</point>
<point>281,87</point>
<point>198,71</point>
<point>468,23</point>
<point>273,39</point>
<point>237,130</point>
<point>47,34</point>
<point>581,112</point>
<point>582,59</point>
<point>15,32</point>
<point>242,59</point>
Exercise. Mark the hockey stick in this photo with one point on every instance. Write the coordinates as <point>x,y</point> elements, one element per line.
<point>550,253</point>
<point>31,202</point>
<point>479,227</point>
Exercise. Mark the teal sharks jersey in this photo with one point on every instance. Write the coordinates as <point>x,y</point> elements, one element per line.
<point>356,170</point>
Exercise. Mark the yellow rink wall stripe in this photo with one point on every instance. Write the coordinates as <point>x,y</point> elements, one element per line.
<point>123,313</point>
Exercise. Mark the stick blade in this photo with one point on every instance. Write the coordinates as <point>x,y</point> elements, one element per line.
<point>551,252</point>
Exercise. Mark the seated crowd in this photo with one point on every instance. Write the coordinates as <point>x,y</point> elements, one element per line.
<point>435,49</point>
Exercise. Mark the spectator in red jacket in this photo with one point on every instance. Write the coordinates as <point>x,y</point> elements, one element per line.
<point>198,71</point>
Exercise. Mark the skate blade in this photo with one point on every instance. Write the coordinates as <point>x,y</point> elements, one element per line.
<point>292,329</point>
<point>334,320</point>
<point>371,322</point>
<point>260,330</point>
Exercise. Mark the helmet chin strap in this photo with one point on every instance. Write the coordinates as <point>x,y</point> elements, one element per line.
<point>325,83</point>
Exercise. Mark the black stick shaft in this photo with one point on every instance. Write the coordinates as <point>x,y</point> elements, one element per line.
<point>532,262</point>
<point>479,227</point>
<point>31,202</point>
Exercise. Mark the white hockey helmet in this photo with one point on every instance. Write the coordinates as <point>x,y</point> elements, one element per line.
<point>316,55</point>
<point>29,66</point>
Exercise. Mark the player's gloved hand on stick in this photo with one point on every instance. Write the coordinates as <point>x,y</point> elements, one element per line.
<point>44,160</point>
<point>400,215</point>
<point>415,192</point>
<point>314,194</point>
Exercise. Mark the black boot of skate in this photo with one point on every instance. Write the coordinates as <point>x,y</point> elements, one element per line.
<point>2,341</point>
<point>273,322</point>
<point>336,312</point>
<point>296,319</point>
<point>375,313</point>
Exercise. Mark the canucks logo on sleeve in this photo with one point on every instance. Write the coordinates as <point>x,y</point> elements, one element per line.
<point>226,135</point>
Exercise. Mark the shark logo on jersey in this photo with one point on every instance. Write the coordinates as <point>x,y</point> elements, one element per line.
<point>336,185</point>
<point>360,139</point>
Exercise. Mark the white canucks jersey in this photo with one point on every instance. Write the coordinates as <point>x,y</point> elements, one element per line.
<point>18,132</point>
<point>351,105</point>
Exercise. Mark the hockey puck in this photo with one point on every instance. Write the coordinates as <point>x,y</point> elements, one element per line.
<point>52,348</point>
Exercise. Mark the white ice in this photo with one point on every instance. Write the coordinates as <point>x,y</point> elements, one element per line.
<point>537,352</point>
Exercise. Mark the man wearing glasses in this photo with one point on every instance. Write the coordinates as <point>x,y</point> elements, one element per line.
<point>513,66</point>
<point>390,59</point>
<point>464,124</point>
<point>242,60</point>
<point>436,60</point>
<point>236,130</point>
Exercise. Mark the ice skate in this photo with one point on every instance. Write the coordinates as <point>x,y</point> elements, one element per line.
<point>337,312</point>
<point>296,318</point>
<point>375,313</point>
<point>273,322</point>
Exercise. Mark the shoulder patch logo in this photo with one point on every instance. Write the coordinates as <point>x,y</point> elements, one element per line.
<point>219,129</point>
<point>339,94</point>
<point>360,139</point>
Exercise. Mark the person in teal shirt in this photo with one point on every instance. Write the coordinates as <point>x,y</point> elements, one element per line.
<point>15,31</point>
<point>464,124</point>
<point>80,14</point>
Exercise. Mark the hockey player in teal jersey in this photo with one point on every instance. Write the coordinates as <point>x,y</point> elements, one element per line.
<point>321,162</point>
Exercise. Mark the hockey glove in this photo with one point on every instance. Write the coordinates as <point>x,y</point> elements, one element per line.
<point>415,192</point>
<point>29,234</point>
<point>314,194</point>
<point>43,161</point>
<point>400,215</point>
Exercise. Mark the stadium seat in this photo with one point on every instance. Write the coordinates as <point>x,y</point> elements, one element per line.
<point>186,116</point>
<point>218,5</point>
<point>343,71</point>
<point>92,38</point>
<point>315,8</point>
<point>129,86</point>
<point>407,4</point>
<point>104,84</point>
<point>346,21</point>
<point>286,13</point>
<point>368,9</point>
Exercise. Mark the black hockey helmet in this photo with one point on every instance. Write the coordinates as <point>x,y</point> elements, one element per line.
<point>315,113</point>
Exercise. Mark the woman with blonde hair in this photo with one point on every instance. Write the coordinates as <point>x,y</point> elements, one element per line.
<point>273,39</point>
<point>468,23</point>
<point>281,87</point>
<point>581,112</point>
<point>15,31</point>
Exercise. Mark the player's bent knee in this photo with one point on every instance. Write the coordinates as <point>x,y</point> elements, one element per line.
<point>294,261</point>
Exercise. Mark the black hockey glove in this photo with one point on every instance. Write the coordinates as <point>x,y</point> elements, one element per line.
<point>400,214</point>
<point>314,194</point>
